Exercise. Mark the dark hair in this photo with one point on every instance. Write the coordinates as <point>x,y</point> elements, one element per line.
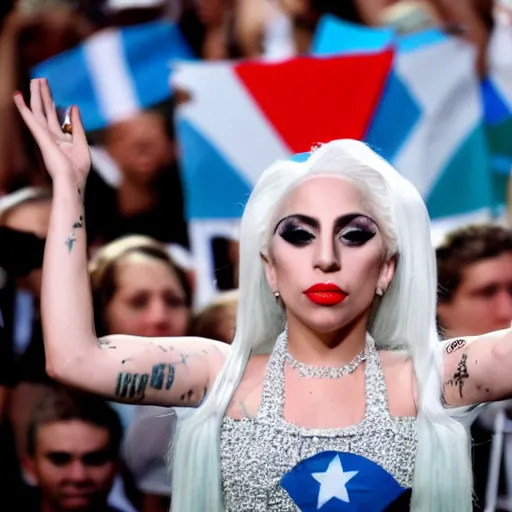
<point>103,272</point>
<point>346,10</point>
<point>63,404</point>
<point>465,246</point>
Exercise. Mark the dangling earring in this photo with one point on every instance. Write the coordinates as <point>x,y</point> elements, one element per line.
<point>277,296</point>
<point>379,291</point>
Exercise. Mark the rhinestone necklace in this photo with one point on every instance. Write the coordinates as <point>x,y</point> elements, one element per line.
<point>326,372</point>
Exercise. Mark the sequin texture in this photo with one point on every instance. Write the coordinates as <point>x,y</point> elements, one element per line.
<point>256,453</point>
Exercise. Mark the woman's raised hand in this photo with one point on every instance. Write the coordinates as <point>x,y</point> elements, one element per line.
<point>66,155</point>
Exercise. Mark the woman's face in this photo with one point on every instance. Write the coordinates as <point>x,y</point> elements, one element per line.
<point>149,299</point>
<point>325,237</point>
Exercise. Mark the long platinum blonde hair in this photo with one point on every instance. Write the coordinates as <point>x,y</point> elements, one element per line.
<point>406,316</point>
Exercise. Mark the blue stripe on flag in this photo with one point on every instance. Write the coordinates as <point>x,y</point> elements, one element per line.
<point>300,157</point>
<point>415,41</point>
<point>71,84</point>
<point>396,116</point>
<point>464,185</point>
<point>149,51</point>
<point>213,187</point>
<point>501,164</point>
<point>334,36</point>
<point>496,109</point>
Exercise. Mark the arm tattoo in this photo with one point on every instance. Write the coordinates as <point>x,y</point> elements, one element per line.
<point>160,374</point>
<point>71,239</point>
<point>460,375</point>
<point>103,344</point>
<point>132,385</point>
<point>79,223</point>
<point>455,345</point>
<point>187,396</point>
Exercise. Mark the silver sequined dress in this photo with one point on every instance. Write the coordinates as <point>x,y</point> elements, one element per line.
<point>257,453</point>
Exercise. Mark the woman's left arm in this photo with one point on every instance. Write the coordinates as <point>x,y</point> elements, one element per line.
<point>478,369</point>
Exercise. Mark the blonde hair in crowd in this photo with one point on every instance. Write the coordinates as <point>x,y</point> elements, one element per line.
<point>406,315</point>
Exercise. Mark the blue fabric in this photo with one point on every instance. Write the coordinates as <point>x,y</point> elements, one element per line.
<point>341,482</point>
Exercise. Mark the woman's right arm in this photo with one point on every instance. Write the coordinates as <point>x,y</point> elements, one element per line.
<point>162,371</point>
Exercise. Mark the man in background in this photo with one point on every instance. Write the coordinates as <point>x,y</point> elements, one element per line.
<point>475,297</point>
<point>72,453</point>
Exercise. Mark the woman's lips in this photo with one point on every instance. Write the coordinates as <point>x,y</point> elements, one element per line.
<point>325,294</point>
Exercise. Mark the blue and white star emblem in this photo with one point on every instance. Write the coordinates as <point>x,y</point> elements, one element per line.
<point>340,482</point>
<point>333,482</point>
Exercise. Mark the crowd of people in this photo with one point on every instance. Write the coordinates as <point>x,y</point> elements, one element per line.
<point>64,448</point>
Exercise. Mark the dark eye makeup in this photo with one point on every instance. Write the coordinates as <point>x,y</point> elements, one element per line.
<point>295,234</point>
<point>353,229</point>
<point>358,231</point>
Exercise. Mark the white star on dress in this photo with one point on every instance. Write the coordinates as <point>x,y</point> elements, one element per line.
<point>333,482</point>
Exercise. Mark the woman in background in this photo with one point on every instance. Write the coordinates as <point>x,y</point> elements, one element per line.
<point>138,290</point>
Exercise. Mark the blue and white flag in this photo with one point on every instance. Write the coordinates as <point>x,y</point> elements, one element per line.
<point>341,482</point>
<point>497,97</point>
<point>116,72</point>
<point>430,122</point>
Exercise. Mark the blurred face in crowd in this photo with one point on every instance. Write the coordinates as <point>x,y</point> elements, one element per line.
<point>32,217</point>
<point>483,301</point>
<point>149,299</point>
<point>140,146</point>
<point>73,465</point>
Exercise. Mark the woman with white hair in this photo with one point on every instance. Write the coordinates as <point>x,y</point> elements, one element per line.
<point>336,393</point>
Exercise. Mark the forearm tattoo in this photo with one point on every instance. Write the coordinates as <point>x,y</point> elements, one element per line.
<point>461,374</point>
<point>79,224</point>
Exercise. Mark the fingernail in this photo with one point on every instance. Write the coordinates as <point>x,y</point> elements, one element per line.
<point>16,93</point>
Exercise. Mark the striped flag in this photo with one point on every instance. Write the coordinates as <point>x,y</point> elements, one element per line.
<point>497,97</point>
<point>430,122</point>
<point>243,116</point>
<point>116,72</point>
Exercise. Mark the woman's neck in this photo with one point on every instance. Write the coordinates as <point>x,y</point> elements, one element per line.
<point>332,349</point>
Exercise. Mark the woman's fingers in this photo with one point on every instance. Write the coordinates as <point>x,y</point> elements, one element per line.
<point>79,137</point>
<point>40,134</point>
<point>36,103</point>
<point>51,112</point>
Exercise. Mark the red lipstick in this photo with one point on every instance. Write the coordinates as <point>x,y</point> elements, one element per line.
<point>325,294</point>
